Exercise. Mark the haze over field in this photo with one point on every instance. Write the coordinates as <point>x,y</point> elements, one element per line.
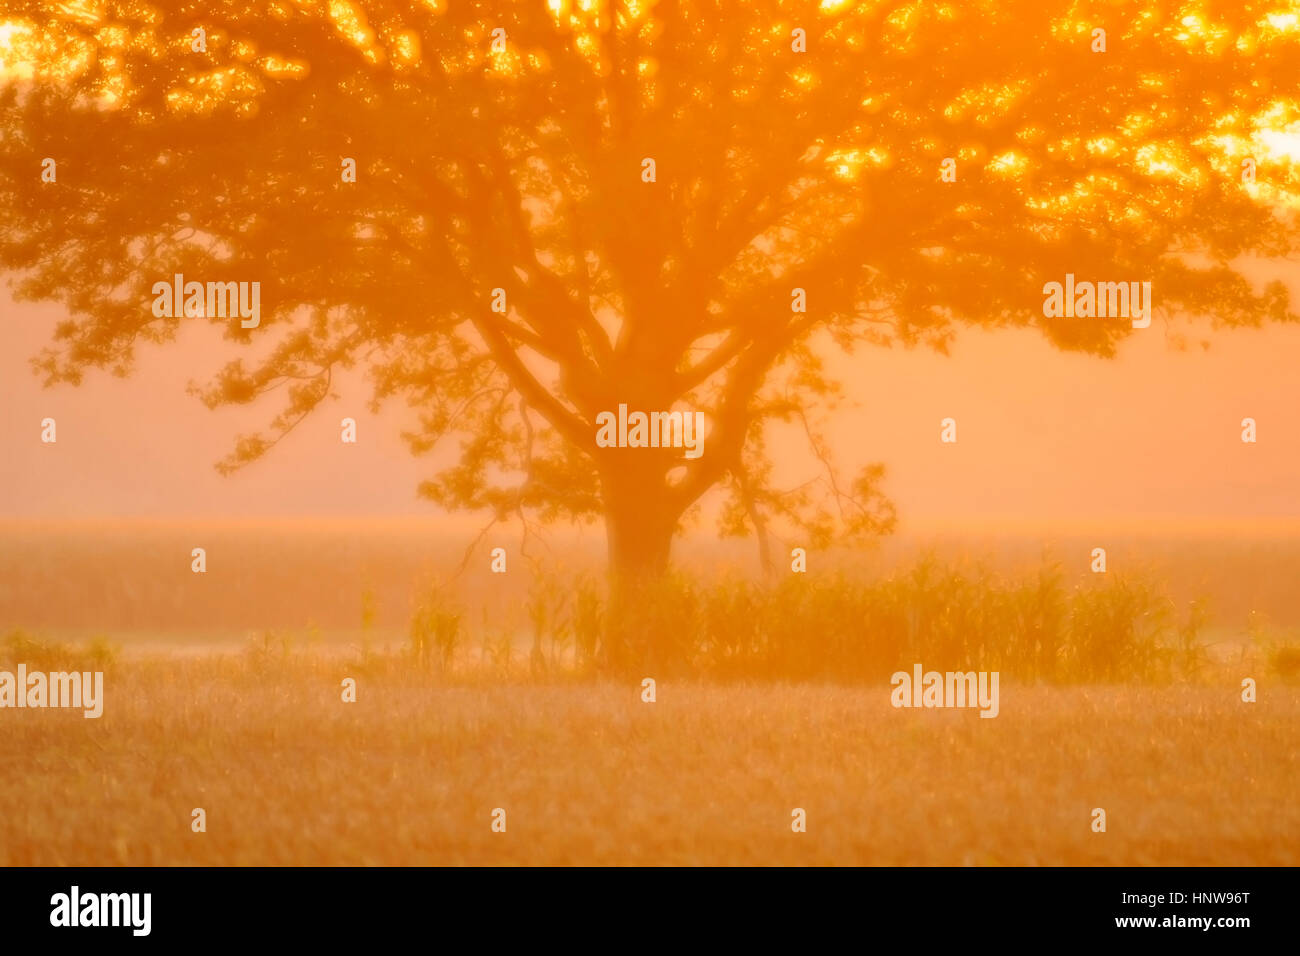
<point>1045,437</point>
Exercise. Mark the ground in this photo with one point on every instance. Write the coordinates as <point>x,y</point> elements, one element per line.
<point>589,774</point>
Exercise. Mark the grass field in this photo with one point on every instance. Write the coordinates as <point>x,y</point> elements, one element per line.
<point>223,692</point>
<point>589,774</point>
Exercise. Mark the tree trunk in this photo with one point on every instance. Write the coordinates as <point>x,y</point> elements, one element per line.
<point>640,522</point>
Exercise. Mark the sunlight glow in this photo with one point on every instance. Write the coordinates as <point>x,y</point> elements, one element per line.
<point>13,62</point>
<point>1281,144</point>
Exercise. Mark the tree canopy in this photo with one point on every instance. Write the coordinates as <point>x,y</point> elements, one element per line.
<point>503,146</point>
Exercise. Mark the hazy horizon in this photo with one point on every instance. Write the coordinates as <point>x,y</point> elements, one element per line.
<point>1040,432</point>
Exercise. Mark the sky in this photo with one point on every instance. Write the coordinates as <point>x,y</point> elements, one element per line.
<point>1043,436</point>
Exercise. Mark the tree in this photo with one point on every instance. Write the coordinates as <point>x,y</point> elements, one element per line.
<point>503,147</point>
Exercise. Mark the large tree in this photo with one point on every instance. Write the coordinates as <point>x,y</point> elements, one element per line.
<point>795,146</point>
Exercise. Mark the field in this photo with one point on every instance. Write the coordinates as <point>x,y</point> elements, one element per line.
<point>589,774</point>
<point>223,692</point>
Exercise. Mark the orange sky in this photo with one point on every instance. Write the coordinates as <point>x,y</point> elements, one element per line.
<point>1042,435</point>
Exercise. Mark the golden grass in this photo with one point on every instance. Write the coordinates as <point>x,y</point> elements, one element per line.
<point>588,774</point>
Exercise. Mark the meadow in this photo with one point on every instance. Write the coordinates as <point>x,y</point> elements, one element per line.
<point>228,698</point>
<point>589,774</point>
